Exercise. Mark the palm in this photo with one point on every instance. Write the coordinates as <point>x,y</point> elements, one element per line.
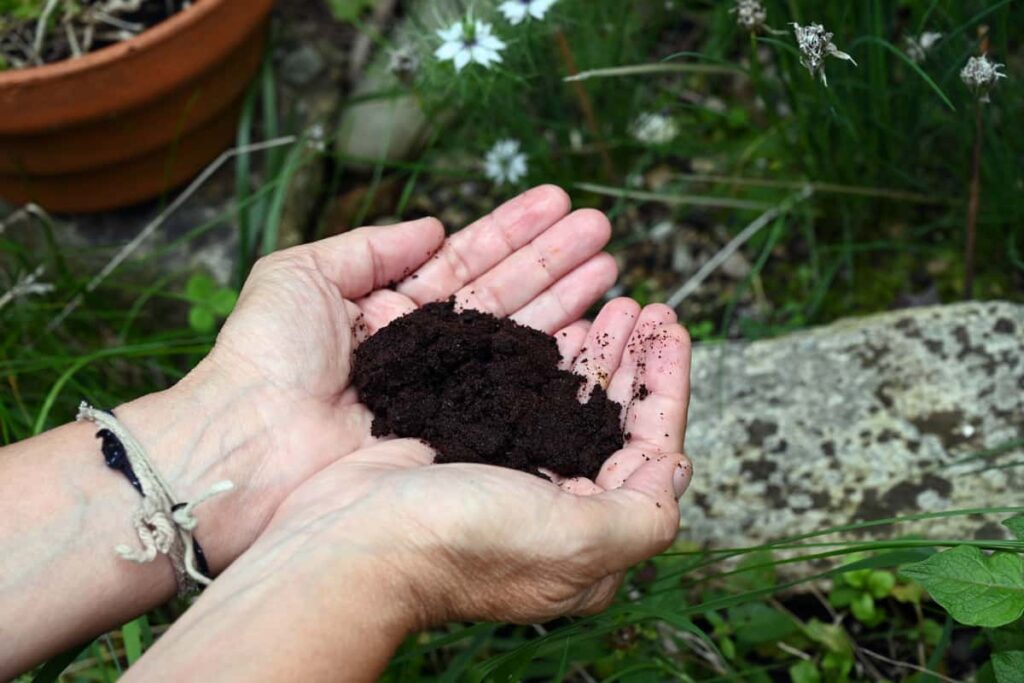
<point>499,517</point>
<point>303,310</point>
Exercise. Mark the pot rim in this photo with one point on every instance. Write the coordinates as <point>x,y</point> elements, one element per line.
<point>105,56</point>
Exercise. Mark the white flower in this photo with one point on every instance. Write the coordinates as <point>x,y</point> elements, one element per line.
<point>750,14</point>
<point>465,42</point>
<point>517,11</point>
<point>505,163</point>
<point>815,45</point>
<point>655,129</point>
<point>981,75</point>
<point>918,48</point>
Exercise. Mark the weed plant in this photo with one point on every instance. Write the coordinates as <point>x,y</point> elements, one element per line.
<point>885,152</point>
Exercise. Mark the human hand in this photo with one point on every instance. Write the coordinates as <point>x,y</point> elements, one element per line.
<point>467,541</point>
<point>381,542</point>
<point>271,405</point>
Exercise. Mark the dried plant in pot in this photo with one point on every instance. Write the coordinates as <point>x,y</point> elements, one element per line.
<point>131,120</point>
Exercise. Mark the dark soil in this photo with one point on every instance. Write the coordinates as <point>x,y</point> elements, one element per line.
<point>480,389</point>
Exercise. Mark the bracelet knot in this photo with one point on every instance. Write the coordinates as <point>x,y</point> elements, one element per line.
<point>164,526</point>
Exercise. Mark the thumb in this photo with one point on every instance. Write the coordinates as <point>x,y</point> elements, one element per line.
<point>663,475</point>
<point>363,260</point>
<point>641,518</point>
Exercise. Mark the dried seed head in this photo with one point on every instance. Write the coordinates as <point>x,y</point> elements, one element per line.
<point>917,48</point>
<point>815,45</point>
<point>981,75</point>
<point>750,14</point>
<point>404,62</point>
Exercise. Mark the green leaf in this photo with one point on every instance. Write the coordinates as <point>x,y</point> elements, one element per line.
<point>200,287</point>
<point>201,319</point>
<point>843,596</point>
<point>1009,638</point>
<point>804,672</point>
<point>756,570</point>
<point>976,589</point>
<point>863,608</point>
<point>910,63</point>
<point>832,636</point>
<point>837,666</point>
<point>931,632</point>
<point>728,648</point>
<point>131,633</point>
<point>880,584</point>
<point>908,593</point>
<point>1016,526</point>
<point>223,302</point>
<point>348,10</point>
<point>1009,666</point>
<point>857,578</point>
<point>756,623</point>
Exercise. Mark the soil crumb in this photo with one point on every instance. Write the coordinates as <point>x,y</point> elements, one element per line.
<point>480,389</point>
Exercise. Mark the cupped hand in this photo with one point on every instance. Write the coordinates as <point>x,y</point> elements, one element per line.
<point>284,355</point>
<point>469,541</point>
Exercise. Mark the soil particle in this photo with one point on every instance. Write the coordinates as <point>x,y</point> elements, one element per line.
<point>480,389</point>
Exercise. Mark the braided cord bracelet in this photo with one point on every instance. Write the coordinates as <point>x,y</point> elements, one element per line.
<point>164,526</point>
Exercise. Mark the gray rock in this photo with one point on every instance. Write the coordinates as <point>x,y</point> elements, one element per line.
<point>391,127</point>
<point>736,266</point>
<point>302,66</point>
<point>865,419</point>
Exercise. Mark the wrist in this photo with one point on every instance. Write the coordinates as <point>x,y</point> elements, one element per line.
<point>338,612</point>
<point>200,432</point>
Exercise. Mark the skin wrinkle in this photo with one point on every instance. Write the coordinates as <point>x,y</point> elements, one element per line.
<point>486,300</point>
<point>376,541</point>
<point>457,263</point>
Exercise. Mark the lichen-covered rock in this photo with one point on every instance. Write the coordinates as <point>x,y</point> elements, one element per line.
<point>913,411</point>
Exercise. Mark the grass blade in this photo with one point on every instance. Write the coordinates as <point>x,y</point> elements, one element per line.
<point>909,62</point>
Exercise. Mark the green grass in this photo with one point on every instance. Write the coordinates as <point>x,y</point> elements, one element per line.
<point>885,149</point>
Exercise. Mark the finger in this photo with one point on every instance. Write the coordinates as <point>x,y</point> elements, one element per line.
<point>668,474</point>
<point>621,465</point>
<point>603,347</point>
<point>571,296</point>
<point>637,521</point>
<point>365,259</point>
<point>579,486</point>
<point>626,380</point>
<point>570,341</point>
<point>473,251</point>
<point>656,417</point>
<point>380,308</point>
<point>557,251</point>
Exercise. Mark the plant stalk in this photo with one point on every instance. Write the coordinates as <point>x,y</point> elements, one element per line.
<point>585,103</point>
<point>972,207</point>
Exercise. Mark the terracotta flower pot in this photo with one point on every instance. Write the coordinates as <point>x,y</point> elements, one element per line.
<point>133,120</point>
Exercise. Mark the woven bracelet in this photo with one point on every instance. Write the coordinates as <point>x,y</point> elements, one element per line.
<point>164,526</point>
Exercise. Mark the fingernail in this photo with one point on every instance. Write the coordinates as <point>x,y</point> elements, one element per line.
<point>681,477</point>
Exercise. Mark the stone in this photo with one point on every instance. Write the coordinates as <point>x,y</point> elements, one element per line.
<point>736,267</point>
<point>372,128</point>
<point>302,66</point>
<point>865,419</point>
<point>384,119</point>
